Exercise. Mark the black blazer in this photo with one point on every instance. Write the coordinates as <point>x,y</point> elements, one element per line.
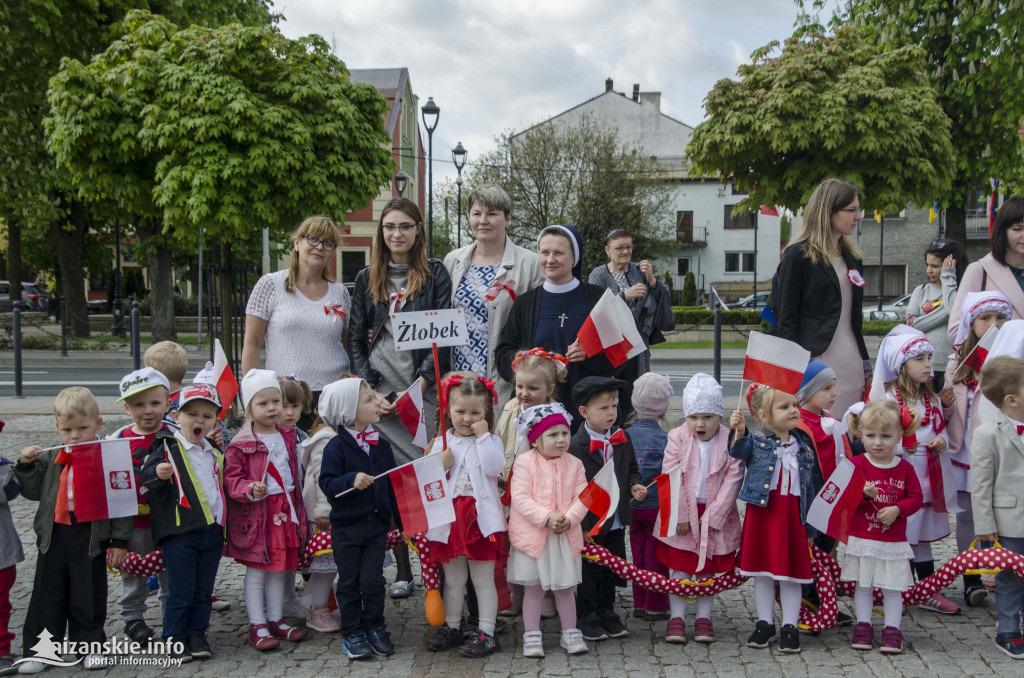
<point>807,301</point>
<point>626,473</point>
<point>368,315</point>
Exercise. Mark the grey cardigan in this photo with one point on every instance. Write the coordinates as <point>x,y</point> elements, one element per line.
<point>651,312</point>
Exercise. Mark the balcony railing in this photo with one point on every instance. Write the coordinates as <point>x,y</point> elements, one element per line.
<point>699,238</point>
<point>977,224</point>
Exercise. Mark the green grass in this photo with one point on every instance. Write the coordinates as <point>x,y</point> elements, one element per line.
<point>700,344</point>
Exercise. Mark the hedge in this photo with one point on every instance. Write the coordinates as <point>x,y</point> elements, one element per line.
<point>878,328</point>
<point>701,315</point>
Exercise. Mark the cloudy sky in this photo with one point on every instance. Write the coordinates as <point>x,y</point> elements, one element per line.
<point>497,65</point>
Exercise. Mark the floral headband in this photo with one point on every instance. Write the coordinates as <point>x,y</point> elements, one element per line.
<point>535,420</point>
<point>561,362</point>
<point>456,380</point>
<point>750,397</point>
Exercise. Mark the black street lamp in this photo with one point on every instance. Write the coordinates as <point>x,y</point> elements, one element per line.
<point>401,181</point>
<point>117,328</point>
<point>459,155</point>
<point>431,113</point>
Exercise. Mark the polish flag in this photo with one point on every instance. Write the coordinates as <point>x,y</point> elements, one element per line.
<point>772,211</point>
<point>976,358</point>
<point>103,480</point>
<point>775,362</point>
<point>610,329</point>
<point>410,410</point>
<point>668,500</point>
<point>176,476</point>
<point>601,496</point>
<point>420,491</point>
<point>832,510</point>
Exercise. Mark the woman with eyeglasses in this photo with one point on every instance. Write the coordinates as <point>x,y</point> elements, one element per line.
<point>818,289</point>
<point>646,297</point>
<point>301,314</point>
<point>928,309</point>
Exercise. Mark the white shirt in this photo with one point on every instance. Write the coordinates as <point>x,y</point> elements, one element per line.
<point>704,469</point>
<point>279,458</point>
<point>205,465</point>
<point>608,453</point>
<point>783,479</point>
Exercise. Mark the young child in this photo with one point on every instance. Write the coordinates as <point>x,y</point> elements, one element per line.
<point>266,516</point>
<point>979,312</point>
<point>596,443</point>
<point>474,545</point>
<point>903,372</point>
<point>997,488</point>
<point>651,394</point>
<point>184,478</point>
<point>778,488</point>
<point>296,398</point>
<point>170,360</point>
<point>11,553</point>
<point>360,519</point>
<point>877,554</point>
<point>70,590</point>
<point>544,525</point>
<point>322,569</point>
<point>145,394</point>
<point>708,533</point>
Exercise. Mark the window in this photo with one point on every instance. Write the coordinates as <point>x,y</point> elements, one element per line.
<point>894,281</point>
<point>682,266</point>
<point>977,201</point>
<point>351,263</point>
<point>739,262</point>
<point>736,191</point>
<point>739,221</point>
<point>684,227</point>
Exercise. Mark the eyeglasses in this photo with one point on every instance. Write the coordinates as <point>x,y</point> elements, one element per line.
<point>328,245</point>
<point>404,228</point>
<point>623,248</point>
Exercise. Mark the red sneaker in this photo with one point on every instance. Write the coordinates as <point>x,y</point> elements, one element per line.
<point>863,636</point>
<point>704,631</point>
<point>676,631</point>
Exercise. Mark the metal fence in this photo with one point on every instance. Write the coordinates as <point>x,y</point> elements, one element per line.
<point>226,295</point>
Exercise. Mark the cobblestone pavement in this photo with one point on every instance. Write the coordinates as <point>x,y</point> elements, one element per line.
<point>935,645</point>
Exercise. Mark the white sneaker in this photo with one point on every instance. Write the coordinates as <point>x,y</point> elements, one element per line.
<point>30,667</point>
<point>533,644</point>
<point>572,642</point>
<point>96,661</point>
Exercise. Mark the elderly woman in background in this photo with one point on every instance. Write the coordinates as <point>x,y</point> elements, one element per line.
<point>487,276</point>
<point>302,314</point>
<point>930,303</point>
<point>646,297</point>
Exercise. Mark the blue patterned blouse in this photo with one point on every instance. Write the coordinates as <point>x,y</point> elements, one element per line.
<point>470,298</point>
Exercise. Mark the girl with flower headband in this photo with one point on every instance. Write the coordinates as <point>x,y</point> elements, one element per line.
<point>474,545</point>
<point>903,372</point>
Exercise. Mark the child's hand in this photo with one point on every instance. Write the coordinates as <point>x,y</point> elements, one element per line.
<point>447,458</point>
<point>946,396</point>
<point>29,454</point>
<point>738,423</point>
<point>639,492</point>
<point>888,515</point>
<point>217,436</point>
<point>936,445</point>
<point>992,538</point>
<point>163,471</point>
<point>323,524</point>
<point>870,491</point>
<point>116,557</point>
<point>258,490</point>
<point>555,520</point>
<point>362,481</point>
<point>480,428</point>
<point>683,529</point>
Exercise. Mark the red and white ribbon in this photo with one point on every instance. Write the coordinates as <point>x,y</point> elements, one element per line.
<point>855,277</point>
<point>393,304</point>
<point>497,286</point>
<point>335,311</point>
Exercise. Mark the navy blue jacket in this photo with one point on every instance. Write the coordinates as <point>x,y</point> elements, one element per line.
<point>342,460</point>
<point>649,443</point>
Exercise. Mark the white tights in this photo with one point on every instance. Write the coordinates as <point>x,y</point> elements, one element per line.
<point>677,604</point>
<point>789,598</point>
<point>456,572</point>
<point>319,587</point>
<point>264,594</point>
<point>863,601</point>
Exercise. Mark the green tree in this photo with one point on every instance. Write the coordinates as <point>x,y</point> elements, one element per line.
<point>230,129</point>
<point>827,106</point>
<point>689,289</point>
<point>581,175</point>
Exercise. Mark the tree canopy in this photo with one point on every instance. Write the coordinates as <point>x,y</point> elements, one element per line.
<point>827,106</point>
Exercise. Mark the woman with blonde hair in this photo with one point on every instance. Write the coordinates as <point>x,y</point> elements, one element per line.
<point>302,314</point>
<point>818,289</point>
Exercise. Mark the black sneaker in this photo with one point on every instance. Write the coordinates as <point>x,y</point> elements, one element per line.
<point>613,626</point>
<point>199,647</point>
<point>138,631</point>
<point>7,667</point>
<point>762,635</point>
<point>591,628</point>
<point>1012,645</point>
<point>843,619</point>
<point>468,627</point>
<point>444,638</point>
<point>380,641</point>
<point>177,650</point>
<point>789,641</point>
<point>974,595</point>
<point>357,646</point>
<point>480,645</point>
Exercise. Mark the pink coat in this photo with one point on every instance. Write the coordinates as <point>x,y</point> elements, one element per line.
<point>539,487</point>
<point>996,278</point>
<point>725,477</point>
<point>247,520</point>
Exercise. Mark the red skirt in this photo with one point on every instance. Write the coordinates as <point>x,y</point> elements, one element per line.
<point>282,537</point>
<point>465,538</point>
<point>686,561</point>
<point>775,542</point>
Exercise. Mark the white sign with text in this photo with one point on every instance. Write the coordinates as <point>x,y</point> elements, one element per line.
<point>421,329</point>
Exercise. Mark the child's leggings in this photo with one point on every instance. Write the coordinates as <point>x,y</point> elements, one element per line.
<point>565,603</point>
<point>264,594</point>
<point>456,572</point>
<point>319,587</point>
<point>863,601</point>
<point>677,604</point>
<point>789,599</point>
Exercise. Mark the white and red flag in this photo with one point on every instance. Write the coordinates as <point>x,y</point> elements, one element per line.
<point>668,500</point>
<point>420,492</point>
<point>176,476</point>
<point>610,329</point>
<point>601,496</point>
<point>103,481</point>
<point>219,375</point>
<point>832,510</point>
<point>775,362</point>
<point>976,358</point>
<point>410,410</point>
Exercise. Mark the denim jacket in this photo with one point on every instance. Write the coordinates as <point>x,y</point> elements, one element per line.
<point>649,443</point>
<point>758,450</point>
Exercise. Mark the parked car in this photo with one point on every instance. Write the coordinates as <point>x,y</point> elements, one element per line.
<point>894,310</point>
<point>749,303</point>
<point>33,297</point>
<point>96,306</point>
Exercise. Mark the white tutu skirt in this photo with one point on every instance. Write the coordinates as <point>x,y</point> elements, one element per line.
<point>877,564</point>
<point>557,568</point>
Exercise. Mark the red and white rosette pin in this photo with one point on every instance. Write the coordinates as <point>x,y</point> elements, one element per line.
<point>855,277</point>
<point>334,311</point>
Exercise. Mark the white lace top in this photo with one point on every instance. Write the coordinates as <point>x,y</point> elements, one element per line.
<point>303,336</point>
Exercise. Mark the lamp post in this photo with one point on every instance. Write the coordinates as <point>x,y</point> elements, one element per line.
<point>117,306</point>
<point>401,181</point>
<point>459,158</point>
<point>431,113</point>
